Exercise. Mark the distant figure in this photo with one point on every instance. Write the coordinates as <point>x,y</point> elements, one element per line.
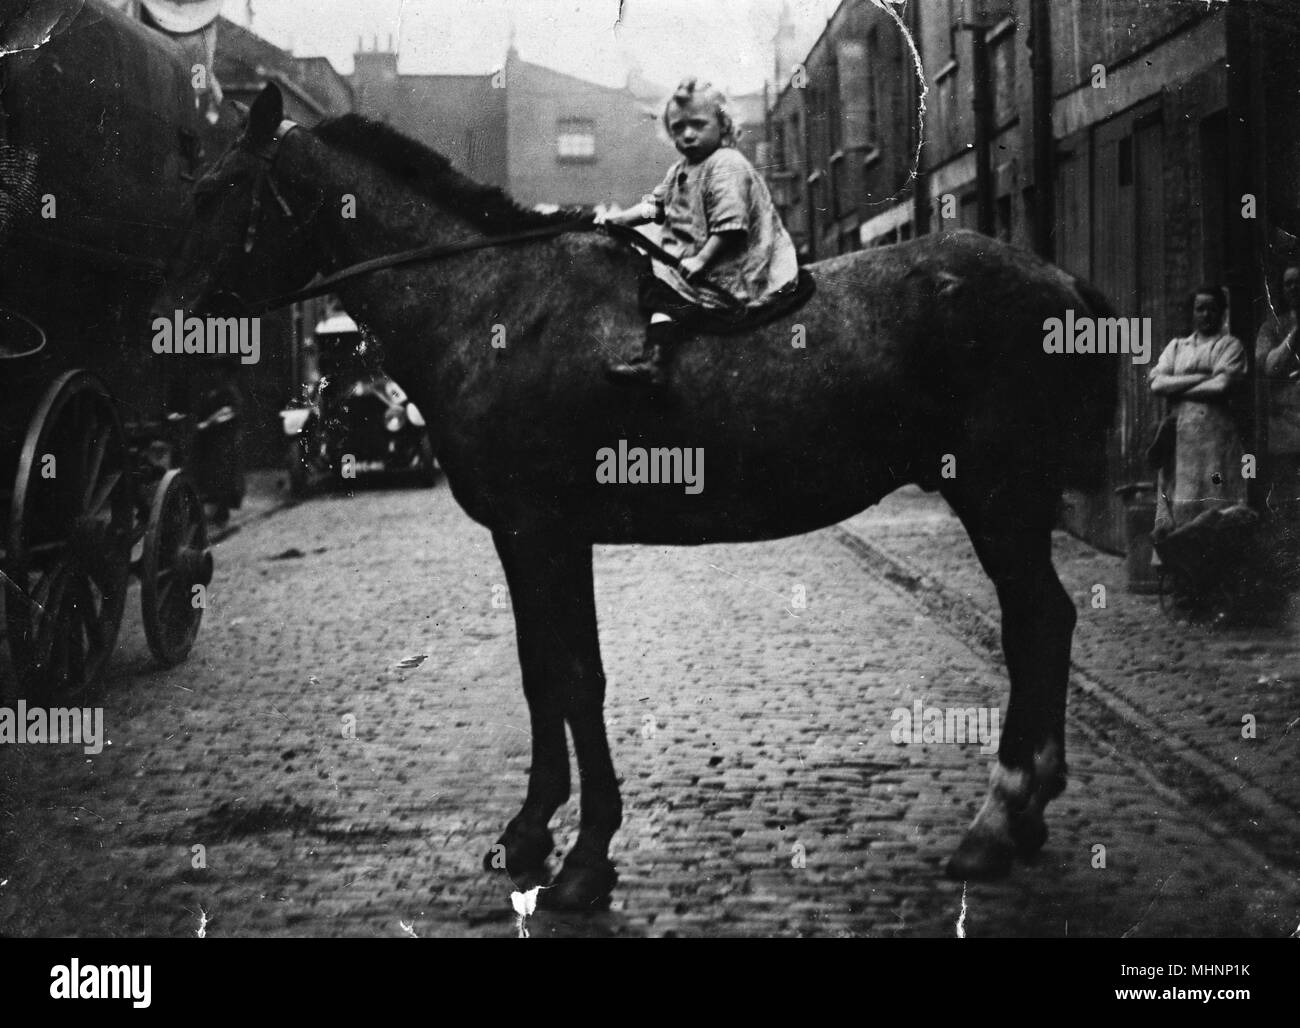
<point>1277,354</point>
<point>1198,373</point>
<point>718,218</point>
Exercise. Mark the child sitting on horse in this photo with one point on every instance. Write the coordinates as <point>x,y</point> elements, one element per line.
<point>719,221</point>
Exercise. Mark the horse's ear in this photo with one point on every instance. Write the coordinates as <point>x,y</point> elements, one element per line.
<point>265,116</point>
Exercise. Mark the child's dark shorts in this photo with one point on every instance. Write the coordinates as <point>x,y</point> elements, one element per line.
<point>657,296</point>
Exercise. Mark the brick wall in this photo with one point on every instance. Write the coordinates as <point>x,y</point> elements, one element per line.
<point>630,152</point>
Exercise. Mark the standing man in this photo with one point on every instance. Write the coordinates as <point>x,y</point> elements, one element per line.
<point>1277,354</point>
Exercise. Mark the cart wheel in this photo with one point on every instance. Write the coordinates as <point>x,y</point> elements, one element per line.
<point>176,558</point>
<point>70,537</point>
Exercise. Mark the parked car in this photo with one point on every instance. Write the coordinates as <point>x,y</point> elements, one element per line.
<point>352,419</point>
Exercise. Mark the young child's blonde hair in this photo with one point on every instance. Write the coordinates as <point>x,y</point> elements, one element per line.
<point>692,89</point>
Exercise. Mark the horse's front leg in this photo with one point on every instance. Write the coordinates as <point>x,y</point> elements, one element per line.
<point>526,842</point>
<point>552,592</point>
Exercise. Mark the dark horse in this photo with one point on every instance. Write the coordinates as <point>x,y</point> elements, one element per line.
<point>920,363</point>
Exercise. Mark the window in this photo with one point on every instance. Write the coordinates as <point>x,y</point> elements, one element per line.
<point>1126,161</point>
<point>833,112</point>
<point>1002,71</point>
<point>947,114</point>
<point>968,216</point>
<point>576,140</point>
<point>816,118</point>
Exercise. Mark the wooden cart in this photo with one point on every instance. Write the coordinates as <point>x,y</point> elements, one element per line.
<point>99,145</point>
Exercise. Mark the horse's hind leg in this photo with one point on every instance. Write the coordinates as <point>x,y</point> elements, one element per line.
<point>559,652</point>
<point>1012,537</point>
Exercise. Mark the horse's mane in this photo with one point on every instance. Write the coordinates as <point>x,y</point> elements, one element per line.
<point>431,175</point>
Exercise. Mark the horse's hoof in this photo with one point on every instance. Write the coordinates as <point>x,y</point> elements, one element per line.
<point>980,858</point>
<point>1029,834</point>
<point>520,852</point>
<point>580,887</point>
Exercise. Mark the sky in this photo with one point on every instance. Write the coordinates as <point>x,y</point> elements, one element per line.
<point>727,41</point>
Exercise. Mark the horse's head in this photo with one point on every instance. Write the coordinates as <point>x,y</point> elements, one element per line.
<point>251,237</point>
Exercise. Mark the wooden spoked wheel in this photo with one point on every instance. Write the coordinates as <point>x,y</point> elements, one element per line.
<point>176,559</point>
<point>69,545</point>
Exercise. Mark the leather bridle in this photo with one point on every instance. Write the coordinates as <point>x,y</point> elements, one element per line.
<point>267,153</point>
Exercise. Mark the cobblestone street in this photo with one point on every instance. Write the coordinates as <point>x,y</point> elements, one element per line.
<point>752,735</point>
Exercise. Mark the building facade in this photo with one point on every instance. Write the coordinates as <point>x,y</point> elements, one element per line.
<point>573,142</point>
<point>840,128</point>
<point>463,117</point>
<point>1121,139</point>
<point>544,136</point>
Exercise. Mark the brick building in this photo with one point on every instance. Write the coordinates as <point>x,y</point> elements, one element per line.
<point>1122,151</point>
<point>546,137</point>
<point>839,128</point>
<point>463,117</point>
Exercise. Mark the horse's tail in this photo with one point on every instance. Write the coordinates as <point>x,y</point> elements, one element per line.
<point>1095,401</point>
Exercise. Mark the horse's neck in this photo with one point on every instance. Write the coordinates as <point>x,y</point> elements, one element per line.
<point>442,313</point>
<point>387,220</point>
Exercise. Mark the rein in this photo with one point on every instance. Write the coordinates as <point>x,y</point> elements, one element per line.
<point>436,252</point>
